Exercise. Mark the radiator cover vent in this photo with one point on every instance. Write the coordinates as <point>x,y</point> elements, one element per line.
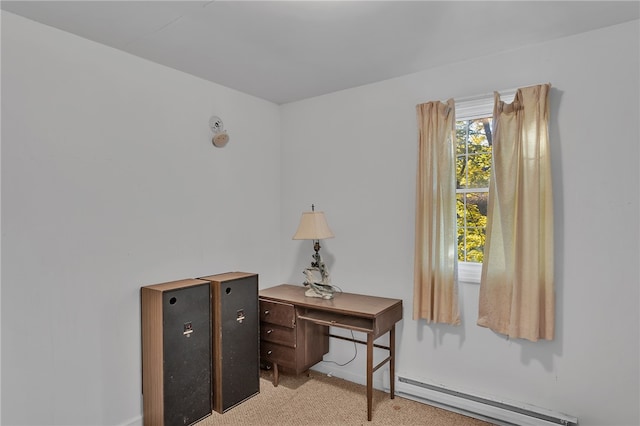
<point>485,408</point>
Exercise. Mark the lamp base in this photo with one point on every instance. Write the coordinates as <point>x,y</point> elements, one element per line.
<point>318,291</point>
<point>318,282</point>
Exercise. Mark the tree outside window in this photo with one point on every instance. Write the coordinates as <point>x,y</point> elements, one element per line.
<point>473,170</point>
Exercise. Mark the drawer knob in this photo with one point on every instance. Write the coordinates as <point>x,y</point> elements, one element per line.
<point>269,331</point>
<point>268,352</point>
<point>266,312</point>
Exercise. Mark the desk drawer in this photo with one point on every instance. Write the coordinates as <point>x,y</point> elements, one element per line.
<point>277,313</point>
<point>278,334</point>
<point>281,355</point>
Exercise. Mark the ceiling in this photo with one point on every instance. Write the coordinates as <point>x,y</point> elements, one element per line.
<point>284,51</point>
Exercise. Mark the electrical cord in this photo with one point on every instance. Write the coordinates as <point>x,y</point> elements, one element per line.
<point>337,289</point>
<point>355,348</point>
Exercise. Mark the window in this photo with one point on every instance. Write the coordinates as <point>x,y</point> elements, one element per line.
<point>473,170</point>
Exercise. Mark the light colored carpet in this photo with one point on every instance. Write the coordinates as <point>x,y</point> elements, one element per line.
<point>316,399</point>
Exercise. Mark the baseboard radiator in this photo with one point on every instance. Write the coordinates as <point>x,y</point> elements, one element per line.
<point>492,410</point>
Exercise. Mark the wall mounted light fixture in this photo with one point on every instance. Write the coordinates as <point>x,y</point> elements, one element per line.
<point>220,136</point>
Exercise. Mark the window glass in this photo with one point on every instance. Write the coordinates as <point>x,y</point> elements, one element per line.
<point>473,170</point>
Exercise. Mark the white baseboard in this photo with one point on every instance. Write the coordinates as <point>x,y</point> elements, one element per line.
<point>498,411</point>
<point>135,421</point>
<point>329,370</point>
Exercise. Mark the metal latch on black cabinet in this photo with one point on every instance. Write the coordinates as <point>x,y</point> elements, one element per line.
<point>240,316</point>
<point>188,329</point>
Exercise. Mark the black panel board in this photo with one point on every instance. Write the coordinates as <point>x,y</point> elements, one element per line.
<point>187,354</point>
<point>240,340</point>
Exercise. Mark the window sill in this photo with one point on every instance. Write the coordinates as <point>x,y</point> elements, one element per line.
<point>469,272</point>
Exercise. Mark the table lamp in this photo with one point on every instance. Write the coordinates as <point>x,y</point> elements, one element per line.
<point>313,226</point>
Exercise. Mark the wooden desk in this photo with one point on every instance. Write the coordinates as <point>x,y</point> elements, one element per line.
<point>294,329</point>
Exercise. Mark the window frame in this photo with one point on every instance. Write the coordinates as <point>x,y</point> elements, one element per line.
<point>470,109</point>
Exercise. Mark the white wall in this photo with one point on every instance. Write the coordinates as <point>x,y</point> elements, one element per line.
<point>110,182</point>
<point>353,154</point>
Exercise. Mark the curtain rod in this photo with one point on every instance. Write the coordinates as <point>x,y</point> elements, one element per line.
<point>505,92</point>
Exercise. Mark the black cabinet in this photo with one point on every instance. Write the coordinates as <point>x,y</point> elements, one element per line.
<point>236,338</point>
<point>176,352</point>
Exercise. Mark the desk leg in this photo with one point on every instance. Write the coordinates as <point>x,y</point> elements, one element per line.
<point>275,374</point>
<point>392,361</point>
<point>369,374</point>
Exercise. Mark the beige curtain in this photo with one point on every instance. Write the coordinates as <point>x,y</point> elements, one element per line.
<point>517,285</point>
<point>435,292</point>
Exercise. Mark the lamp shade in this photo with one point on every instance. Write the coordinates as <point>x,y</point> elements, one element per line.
<point>313,226</point>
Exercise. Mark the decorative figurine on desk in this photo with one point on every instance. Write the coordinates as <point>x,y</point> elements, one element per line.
<point>313,226</point>
<point>318,279</point>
